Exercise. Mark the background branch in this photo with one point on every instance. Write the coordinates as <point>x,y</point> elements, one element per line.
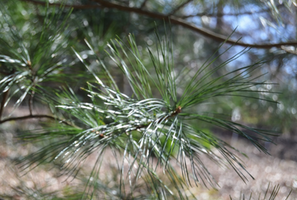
<point>173,96</point>
<point>173,20</point>
<point>35,116</point>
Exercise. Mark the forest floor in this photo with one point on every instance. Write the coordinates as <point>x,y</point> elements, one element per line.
<point>279,168</point>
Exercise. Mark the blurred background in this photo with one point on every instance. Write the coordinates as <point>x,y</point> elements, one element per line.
<point>265,30</point>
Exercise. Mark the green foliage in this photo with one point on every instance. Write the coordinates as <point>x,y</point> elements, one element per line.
<point>27,64</point>
<point>161,125</point>
<point>153,125</point>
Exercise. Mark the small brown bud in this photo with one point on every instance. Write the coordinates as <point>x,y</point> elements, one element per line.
<point>178,110</point>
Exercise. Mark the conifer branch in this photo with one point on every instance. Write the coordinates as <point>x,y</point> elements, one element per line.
<point>172,20</point>
<point>34,117</point>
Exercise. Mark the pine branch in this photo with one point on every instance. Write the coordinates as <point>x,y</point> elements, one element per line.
<point>34,117</point>
<point>173,20</point>
<point>141,126</point>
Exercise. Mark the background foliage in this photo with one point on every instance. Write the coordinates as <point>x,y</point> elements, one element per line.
<point>156,84</point>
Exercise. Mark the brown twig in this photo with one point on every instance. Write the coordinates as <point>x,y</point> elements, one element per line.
<point>174,113</point>
<point>35,116</point>
<point>202,31</point>
<point>172,20</point>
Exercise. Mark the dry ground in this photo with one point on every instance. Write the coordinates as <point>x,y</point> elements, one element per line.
<point>279,168</point>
